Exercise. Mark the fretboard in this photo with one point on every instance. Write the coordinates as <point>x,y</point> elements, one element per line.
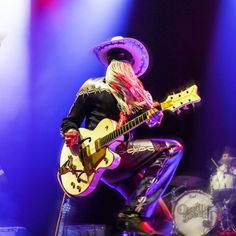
<point>124,129</point>
<point>173,103</point>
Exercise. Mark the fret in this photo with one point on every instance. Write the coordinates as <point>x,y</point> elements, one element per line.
<point>105,139</point>
<point>123,129</point>
<point>113,135</point>
<point>132,123</point>
<point>109,137</point>
<point>116,134</point>
<point>102,141</point>
<point>128,125</point>
<point>145,116</point>
<point>140,119</point>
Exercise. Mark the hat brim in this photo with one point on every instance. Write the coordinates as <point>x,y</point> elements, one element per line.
<point>133,46</point>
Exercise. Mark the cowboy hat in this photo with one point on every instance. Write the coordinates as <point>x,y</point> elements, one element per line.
<point>134,47</point>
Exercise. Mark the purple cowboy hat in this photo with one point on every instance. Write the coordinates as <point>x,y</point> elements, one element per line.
<point>133,46</point>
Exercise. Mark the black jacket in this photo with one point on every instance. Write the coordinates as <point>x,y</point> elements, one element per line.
<point>94,102</point>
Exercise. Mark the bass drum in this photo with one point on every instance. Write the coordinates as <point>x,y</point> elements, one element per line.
<point>194,213</point>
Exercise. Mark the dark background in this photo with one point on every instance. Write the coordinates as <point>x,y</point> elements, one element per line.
<point>189,42</point>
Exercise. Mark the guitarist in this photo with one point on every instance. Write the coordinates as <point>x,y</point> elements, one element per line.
<point>146,166</point>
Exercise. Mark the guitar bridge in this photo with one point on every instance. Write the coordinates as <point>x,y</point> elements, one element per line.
<point>91,162</point>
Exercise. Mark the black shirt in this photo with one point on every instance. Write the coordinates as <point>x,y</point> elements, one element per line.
<point>93,103</point>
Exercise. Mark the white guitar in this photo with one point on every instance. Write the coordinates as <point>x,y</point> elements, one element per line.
<point>81,167</point>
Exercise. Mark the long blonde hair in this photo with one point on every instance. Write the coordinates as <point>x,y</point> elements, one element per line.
<point>127,88</point>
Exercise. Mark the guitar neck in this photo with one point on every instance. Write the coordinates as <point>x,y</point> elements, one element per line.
<point>173,103</point>
<point>127,127</point>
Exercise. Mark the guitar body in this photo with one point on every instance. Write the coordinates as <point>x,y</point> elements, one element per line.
<point>80,175</point>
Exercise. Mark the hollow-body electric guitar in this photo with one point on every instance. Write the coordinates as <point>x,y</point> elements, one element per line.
<point>81,166</point>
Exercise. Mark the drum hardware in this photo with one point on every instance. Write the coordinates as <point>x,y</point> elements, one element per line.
<point>173,198</point>
<point>188,181</point>
<point>173,193</point>
<point>172,201</point>
<point>64,209</point>
<point>214,162</point>
<point>226,218</point>
<point>223,190</point>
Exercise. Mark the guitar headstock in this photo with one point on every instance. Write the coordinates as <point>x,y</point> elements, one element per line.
<point>181,100</point>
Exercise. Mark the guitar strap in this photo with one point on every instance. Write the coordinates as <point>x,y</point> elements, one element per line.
<point>122,120</point>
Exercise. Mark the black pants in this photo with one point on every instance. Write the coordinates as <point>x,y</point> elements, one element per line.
<point>146,168</point>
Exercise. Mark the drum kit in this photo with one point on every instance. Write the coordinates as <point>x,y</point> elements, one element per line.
<point>196,212</point>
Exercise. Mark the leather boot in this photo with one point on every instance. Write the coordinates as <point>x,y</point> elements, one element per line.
<point>132,221</point>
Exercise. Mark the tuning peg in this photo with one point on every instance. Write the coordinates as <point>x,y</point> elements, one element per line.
<point>185,107</point>
<point>178,111</point>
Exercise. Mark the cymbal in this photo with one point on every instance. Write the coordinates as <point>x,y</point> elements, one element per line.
<point>187,181</point>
